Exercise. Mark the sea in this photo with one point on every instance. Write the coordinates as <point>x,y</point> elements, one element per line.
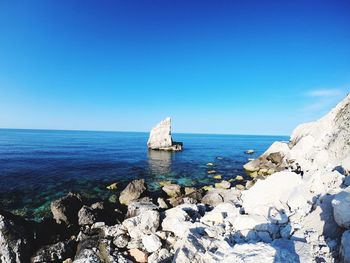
<point>39,166</point>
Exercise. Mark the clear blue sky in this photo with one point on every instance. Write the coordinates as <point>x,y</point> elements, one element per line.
<point>241,67</point>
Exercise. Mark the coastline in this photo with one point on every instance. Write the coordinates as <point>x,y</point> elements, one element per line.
<point>299,212</point>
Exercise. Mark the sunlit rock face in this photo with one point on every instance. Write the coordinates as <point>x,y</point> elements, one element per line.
<point>313,146</point>
<point>325,141</point>
<point>160,137</point>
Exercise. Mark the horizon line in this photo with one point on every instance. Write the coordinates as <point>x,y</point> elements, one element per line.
<point>87,130</point>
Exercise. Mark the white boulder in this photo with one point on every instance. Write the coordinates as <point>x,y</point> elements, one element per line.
<point>266,197</point>
<point>341,208</point>
<point>151,242</point>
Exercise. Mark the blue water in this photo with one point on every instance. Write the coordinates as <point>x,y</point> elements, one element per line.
<point>38,166</point>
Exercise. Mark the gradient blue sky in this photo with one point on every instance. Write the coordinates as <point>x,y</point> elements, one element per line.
<point>240,67</point>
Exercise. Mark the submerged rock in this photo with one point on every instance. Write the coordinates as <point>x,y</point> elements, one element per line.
<point>132,191</point>
<point>160,138</point>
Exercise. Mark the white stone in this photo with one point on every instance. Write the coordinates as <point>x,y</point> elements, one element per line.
<point>341,208</point>
<point>177,221</point>
<point>160,136</point>
<point>220,212</point>
<point>272,193</point>
<point>151,242</point>
<point>279,251</point>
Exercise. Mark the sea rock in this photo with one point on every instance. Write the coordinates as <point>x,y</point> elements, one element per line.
<point>160,138</point>
<point>55,253</point>
<point>345,247</point>
<point>172,190</point>
<point>65,210</point>
<point>132,191</point>
<point>151,242</point>
<point>341,208</point>
<point>15,239</point>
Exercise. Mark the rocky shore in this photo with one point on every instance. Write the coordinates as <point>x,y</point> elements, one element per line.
<point>295,208</point>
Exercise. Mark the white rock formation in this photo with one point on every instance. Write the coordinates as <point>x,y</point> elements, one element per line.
<point>160,137</point>
<point>325,141</point>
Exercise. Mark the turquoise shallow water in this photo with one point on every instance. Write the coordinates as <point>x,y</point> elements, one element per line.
<point>38,166</point>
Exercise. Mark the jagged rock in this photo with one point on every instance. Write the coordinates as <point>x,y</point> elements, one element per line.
<point>177,221</point>
<point>345,247</point>
<point>55,253</point>
<point>317,144</point>
<point>151,242</point>
<point>15,239</point>
<point>193,247</point>
<point>172,190</point>
<point>341,208</point>
<point>65,210</point>
<point>160,138</point>
<point>86,216</point>
<point>132,191</point>
<point>94,247</point>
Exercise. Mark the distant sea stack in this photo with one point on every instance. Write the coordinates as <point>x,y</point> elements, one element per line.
<point>160,138</point>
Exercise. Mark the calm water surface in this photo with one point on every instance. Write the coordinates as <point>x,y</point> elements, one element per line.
<point>37,166</point>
